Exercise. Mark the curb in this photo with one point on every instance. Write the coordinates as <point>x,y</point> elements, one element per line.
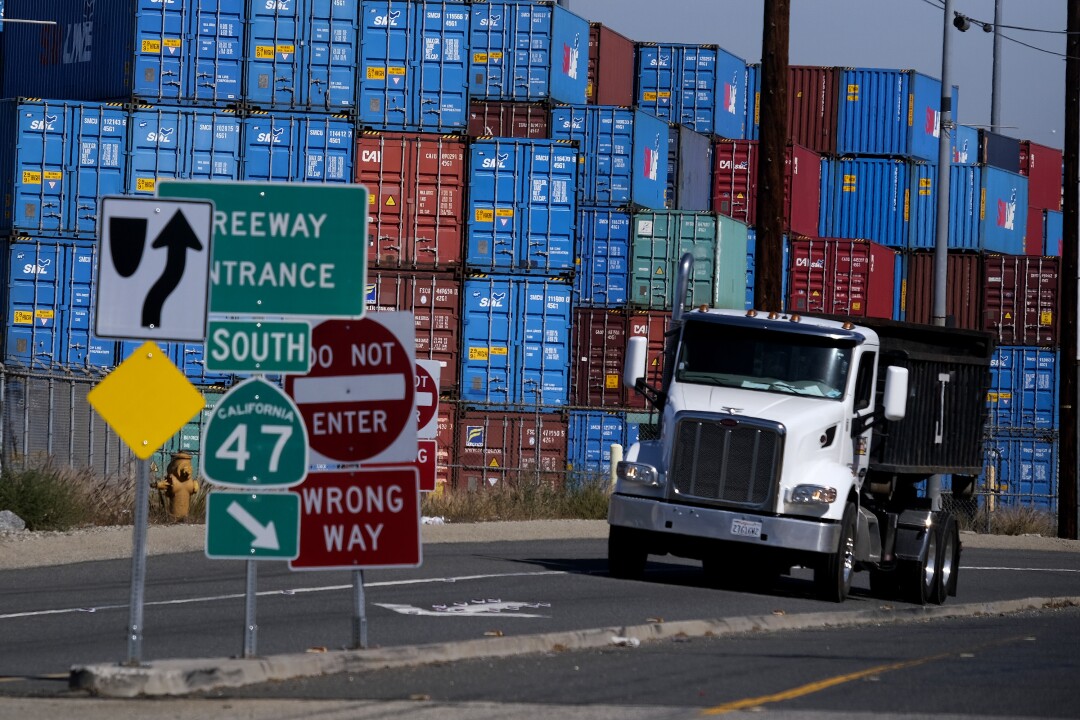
<point>181,677</point>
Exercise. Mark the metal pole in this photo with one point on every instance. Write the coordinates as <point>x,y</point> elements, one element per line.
<point>359,626</point>
<point>251,626</point>
<point>995,82</point>
<point>138,561</point>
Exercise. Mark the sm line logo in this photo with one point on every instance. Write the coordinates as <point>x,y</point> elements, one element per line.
<point>1006,214</point>
<point>731,95</point>
<point>570,56</point>
<point>933,122</point>
<point>652,160</point>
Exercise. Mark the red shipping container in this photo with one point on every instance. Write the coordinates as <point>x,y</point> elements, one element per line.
<point>813,107</point>
<point>836,276</point>
<point>495,447</point>
<point>1043,167</point>
<point>735,168</point>
<point>508,119</point>
<point>599,347</point>
<point>416,209</point>
<point>435,301</point>
<point>444,444</point>
<point>1020,299</point>
<point>611,67</point>
<point>963,273</point>
<point>1034,235</point>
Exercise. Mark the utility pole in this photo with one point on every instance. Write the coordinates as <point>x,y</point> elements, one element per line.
<point>1067,285</point>
<point>772,147</point>
<point>945,127</point>
<point>995,75</point>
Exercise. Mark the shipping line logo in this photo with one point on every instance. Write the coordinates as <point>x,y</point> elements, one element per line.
<point>277,5</point>
<point>274,136</point>
<point>496,163</point>
<point>474,436</point>
<point>496,300</point>
<point>731,94</point>
<point>491,21</point>
<point>960,155</point>
<point>46,124</point>
<point>38,267</point>
<point>571,53</point>
<point>370,295</point>
<point>652,160</point>
<point>161,136</point>
<point>388,20</point>
<point>933,122</point>
<point>1006,214</point>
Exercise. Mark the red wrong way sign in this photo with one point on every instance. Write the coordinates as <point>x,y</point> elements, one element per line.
<point>360,519</point>
<point>427,397</point>
<point>359,398</point>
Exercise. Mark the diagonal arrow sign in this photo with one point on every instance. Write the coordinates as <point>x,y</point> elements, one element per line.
<point>265,535</point>
<point>177,237</point>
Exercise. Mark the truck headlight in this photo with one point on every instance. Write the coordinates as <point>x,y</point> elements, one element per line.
<point>637,473</point>
<point>812,495</point>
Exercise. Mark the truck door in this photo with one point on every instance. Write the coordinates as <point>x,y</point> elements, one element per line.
<point>863,408</point>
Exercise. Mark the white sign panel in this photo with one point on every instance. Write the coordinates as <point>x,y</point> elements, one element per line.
<point>153,268</point>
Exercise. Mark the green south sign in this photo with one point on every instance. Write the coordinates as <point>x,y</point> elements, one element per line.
<point>255,438</point>
<point>284,249</point>
<point>253,526</point>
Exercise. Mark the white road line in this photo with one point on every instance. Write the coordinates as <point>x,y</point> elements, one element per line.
<point>1016,569</point>
<point>293,591</point>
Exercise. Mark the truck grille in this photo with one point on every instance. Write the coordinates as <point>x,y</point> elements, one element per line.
<point>731,463</point>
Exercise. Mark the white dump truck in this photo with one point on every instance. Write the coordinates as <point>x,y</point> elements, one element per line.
<point>792,441</point>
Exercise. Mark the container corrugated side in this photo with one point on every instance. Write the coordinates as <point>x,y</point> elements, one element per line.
<point>920,205</point>
<point>515,340</point>
<point>1035,232</point>
<point>689,170</point>
<point>658,241</point>
<point>1043,167</point>
<point>492,118</point>
<point>434,299</point>
<point>864,197</point>
<point>1003,206</point>
<point>841,277</point>
<point>599,349</point>
<point>297,147</point>
<point>499,449</point>
<point>611,67</point>
<point>528,52</point>
<point>590,435</point>
<point>751,268</point>
<point>729,290</point>
<point>998,150</point>
<point>416,217</point>
<point>1023,395</point>
<point>59,158</point>
<point>602,271</point>
<point>1020,299</point>
<point>965,145</point>
<point>731,93</point>
<point>1053,231</point>
<point>802,197</point>
<point>813,106</point>
<point>888,112</point>
<point>180,143</point>
<point>522,206</point>
<point>963,300</point>
<point>412,67</point>
<point>1021,472</point>
<point>753,101</point>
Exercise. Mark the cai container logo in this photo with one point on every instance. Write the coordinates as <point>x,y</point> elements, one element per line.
<point>571,54</point>
<point>1006,214</point>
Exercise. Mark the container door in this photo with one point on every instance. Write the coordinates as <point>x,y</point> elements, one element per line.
<point>442,44</point>
<point>215,71</point>
<point>384,58</point>
<point>162,51</point>
<point>274,76</point>
<point>493,195</point>
<point>548,209</point>
<point>544,344</point>
<point>333,34</point>
<point>488,369</point>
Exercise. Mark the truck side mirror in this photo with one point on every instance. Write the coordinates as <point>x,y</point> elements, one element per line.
<point>896,392</point>
<point>637,349</point>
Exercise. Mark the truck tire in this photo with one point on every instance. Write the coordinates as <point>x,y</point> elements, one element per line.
<point>919,578</point>
<point>626,553</point>
<point>885,584</point>
<point>832,576</point>
<point>949,565</point>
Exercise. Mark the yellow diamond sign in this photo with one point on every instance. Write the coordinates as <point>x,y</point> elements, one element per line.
<point>123,399</point>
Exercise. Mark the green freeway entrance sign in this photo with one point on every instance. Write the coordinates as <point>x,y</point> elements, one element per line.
<point>253,526</point>
<point>255,437</point>
<point>293,249</point>
<point>258,346</point>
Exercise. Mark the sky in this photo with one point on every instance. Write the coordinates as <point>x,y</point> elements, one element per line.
<point>896,34</point>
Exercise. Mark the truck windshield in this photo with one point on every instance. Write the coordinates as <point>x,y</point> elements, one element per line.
<point>765,360</point>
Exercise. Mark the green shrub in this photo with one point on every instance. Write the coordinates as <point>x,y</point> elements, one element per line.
<point>45,498</point>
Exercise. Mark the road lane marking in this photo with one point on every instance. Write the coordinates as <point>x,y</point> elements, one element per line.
<point>819,685</point>
<point>290,591</point>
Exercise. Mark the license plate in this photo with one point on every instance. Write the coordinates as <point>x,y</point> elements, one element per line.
<point>746,528</point>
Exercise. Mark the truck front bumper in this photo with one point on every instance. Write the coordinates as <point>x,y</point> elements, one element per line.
<point>775,532</point>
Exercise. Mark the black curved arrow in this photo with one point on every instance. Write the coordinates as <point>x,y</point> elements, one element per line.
<point>177,237</point>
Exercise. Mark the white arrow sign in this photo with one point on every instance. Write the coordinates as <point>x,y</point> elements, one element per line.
<point>472,609</point>
<point>265,536</point>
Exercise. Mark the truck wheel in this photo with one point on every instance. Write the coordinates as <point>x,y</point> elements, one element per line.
<point>832,576</point>
<point>920,579</point>
<point>626,553</point>
<point>949,566</point>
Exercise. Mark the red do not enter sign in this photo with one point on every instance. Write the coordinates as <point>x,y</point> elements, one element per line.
<point>358,400</point>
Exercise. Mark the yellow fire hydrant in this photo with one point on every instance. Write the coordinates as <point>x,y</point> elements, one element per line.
<point>179,485</point>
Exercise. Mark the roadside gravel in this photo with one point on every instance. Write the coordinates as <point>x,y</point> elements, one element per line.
<point>23,549</point>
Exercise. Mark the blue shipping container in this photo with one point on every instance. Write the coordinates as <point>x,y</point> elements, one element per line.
<point>515,342</point>
<point>619,153</point>
<point>528,52</point>
<point>865,198</point>
<point>297,147</point>
<point>987,209</point>
<point>753,96</point>
<point>889,112</point>
<point>49,304</point>
<point>1053,231</point>
<point>731,94</point>
<point>57,159</point>
<point>181,143</point>
<point>965,145</point>
<point>1021,471</point>
<point>678,83</point>
<point>522,206</point>
<point>751,262</point>
<point>589,436</point>
<point>602,271</point>
<point>1023,395</point>
<point>413,65</point>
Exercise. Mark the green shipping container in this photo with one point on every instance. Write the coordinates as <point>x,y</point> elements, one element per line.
<point>659,239</point>
<point>730,292</point>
